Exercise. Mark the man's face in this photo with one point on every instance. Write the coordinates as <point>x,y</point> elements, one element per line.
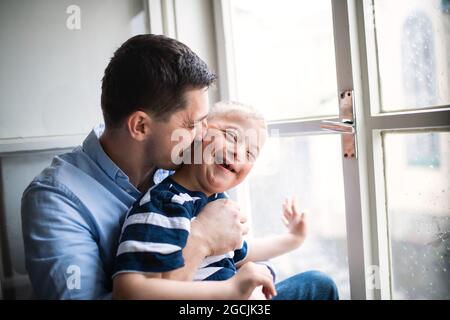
<point>230,148</point>
<point>180,130</point>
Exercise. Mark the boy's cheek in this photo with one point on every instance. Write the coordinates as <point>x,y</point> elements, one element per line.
<point>245,171</point>
<point>214,144</point>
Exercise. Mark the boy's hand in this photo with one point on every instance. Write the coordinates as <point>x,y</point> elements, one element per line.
<point>293,219</point>
<point>258,294</point>
<point>249,277</point>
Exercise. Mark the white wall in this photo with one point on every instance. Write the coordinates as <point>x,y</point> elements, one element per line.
<point>50,87</point>
<point>50,79</point>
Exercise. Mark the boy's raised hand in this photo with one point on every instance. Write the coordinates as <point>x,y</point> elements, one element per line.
<point>293,219</point>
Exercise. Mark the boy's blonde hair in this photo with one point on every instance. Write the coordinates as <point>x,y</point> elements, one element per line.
<point>233,107</point>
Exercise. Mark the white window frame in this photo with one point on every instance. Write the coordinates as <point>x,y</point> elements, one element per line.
<point>357,70</point>
<point>367,93</point>
<point>162,17</point>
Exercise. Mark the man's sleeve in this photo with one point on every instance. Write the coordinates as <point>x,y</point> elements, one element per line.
<point>61,253</point>
<point>153,237</point>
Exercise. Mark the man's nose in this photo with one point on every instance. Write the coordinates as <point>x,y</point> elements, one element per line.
<point>201,131</point>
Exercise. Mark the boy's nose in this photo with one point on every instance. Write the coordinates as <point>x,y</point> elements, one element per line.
<point>239,154</point>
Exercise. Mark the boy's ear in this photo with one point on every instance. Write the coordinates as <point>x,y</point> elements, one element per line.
<point>139,125</point>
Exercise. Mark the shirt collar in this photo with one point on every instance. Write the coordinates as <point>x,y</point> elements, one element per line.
<point>94,150</point>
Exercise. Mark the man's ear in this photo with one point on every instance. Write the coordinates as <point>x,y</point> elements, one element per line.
<point>139,125</point>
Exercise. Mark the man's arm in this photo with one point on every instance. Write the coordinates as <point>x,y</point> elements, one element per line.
<point>195,251</point>
<point>62,256</point>
<point>218,229</point>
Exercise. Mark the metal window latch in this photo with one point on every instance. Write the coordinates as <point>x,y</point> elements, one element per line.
<point>346,125</point>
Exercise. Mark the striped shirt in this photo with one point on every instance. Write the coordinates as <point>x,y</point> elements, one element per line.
<point>156,229</point>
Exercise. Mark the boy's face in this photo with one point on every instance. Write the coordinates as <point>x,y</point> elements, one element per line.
<point>230,148</point>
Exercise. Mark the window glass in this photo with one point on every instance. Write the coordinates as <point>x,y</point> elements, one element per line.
<point>418,202</point>
<point>413,47</point>
<point>309,167</point>
<point>284,57</point>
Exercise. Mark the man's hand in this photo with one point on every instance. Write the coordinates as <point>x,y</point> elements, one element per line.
<point>220,226</point>
<point>252,281</point>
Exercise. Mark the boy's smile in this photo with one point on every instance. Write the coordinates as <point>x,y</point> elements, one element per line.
<point>226,154</point>
<point>230,147</point>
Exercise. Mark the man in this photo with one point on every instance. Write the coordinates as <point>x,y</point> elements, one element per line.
<point>72,211</point>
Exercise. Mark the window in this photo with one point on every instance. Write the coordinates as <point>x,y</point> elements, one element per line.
<point>423,150</point>
<point>389,206</point>
<point>283,63</point>
<point>413,48</point>
<point>407,57</point>
<point>418,203</point>
<point>286,52</point>
<point>308,167</point>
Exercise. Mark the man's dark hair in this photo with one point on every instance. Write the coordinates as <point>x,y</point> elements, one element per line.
<point>151,73</point>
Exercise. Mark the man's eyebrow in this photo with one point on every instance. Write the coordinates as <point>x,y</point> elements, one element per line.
<point>201,118</point>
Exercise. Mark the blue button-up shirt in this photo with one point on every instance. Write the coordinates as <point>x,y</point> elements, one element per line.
<point>71,219</point>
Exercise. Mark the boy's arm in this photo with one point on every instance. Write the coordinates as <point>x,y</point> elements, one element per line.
<point>142,286</point>
<point>153,286</point>
<point>270,247</point>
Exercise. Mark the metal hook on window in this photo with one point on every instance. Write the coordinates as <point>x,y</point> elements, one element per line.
<point>346,125</point>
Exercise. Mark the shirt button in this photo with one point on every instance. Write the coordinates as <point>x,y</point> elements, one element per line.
<point>128,190</point>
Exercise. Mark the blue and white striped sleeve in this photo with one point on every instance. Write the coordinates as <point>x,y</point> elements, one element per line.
<point>241,253</point>
<point>153,236</point>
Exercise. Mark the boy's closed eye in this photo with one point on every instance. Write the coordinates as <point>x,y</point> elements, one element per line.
<point>251,156</point>
<point>230,134</point>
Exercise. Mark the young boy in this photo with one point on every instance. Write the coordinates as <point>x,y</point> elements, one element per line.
<point>157,226</point>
